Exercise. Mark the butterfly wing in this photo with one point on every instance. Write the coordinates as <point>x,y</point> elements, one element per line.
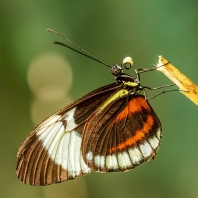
<point>121,135</point>
<point>52,152</point>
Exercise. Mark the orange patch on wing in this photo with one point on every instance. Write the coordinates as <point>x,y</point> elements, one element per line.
<point>138,135</point>
<point>135,105</point>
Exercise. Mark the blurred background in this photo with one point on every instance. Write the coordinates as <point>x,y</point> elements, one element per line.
<point>37,78</point>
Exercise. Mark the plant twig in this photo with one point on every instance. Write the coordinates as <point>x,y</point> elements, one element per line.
<point>186,86</point>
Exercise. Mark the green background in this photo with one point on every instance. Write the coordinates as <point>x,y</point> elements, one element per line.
<point>110,30</point>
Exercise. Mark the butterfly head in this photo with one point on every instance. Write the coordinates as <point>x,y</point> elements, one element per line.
<point>117,70</point>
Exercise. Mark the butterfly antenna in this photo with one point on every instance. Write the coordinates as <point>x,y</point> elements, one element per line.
<point>81,51</point>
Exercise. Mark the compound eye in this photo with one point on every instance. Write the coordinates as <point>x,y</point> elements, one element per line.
<point>116,70</point>
<point>128,63</point>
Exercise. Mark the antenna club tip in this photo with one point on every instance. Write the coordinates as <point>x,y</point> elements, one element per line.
<point>128,60</point>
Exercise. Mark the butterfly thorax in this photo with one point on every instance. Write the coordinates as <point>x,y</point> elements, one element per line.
<point>131,84</point>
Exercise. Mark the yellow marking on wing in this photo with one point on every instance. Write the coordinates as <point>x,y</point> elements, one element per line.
<point>120,94</point>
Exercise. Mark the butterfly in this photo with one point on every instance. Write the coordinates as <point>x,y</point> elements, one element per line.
<point>111,129</point>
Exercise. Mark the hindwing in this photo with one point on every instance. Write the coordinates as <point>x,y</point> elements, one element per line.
<point>122,135</point>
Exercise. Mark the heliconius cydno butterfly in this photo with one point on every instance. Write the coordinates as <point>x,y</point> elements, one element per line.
<point>110,129</point>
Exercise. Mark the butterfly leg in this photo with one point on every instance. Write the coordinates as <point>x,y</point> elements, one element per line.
<point>160,87</point>
<point>139,71</point>
<point>164,92</point>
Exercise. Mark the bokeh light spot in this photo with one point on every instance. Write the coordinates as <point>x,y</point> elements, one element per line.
<point>49,78</point>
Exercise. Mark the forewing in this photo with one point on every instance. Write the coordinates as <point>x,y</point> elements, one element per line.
<point>122,135</point>
<point>52,152</point>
